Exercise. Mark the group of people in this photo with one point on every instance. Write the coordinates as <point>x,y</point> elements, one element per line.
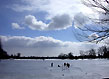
<point>64,66</point>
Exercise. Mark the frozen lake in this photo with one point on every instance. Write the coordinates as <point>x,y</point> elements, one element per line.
<point>39,69</point>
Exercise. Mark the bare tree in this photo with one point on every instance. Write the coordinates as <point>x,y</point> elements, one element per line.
<point>82,53</point>
<point>101,30</point>
<point>92,52</point>
<point>100,51</point>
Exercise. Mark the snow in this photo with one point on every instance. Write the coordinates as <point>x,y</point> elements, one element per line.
<point>39,69</point>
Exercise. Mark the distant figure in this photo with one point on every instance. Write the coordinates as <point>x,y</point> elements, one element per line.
<point>58,65</point>
<point>68,65</point>
<point>62,74</point>
<point>65,64</point>
<point>51,64</point>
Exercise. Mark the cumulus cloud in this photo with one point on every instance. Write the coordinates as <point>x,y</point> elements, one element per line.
<point>60,22</point>
<point>42,46</point>
<point>80,20</point>
<point>41,41</point>
<point>34,24</point>
<point>16,26</point>
<point>57,23</point>
<point>56,12</point>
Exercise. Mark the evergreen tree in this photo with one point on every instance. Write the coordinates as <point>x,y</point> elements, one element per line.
<point>3,54</point>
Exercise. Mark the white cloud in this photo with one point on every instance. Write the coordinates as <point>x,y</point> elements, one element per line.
<point>34,24</point>
<point>93,36</point>
<point>40,41</point>
<point>54,8</point>
<point>28,5</point>
<point>104,17</point>
<point>60,22</point>
<point>16,26</point>
<point>42,46</point>
<point>57,23</point>
<point>80,20</point>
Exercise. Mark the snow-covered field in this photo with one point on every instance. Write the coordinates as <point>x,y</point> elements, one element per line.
<point>39,69</point>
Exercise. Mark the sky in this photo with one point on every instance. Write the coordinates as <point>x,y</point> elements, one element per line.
<point>43,27</point>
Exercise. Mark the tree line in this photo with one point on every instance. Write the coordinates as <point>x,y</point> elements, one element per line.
<point>101,52</point>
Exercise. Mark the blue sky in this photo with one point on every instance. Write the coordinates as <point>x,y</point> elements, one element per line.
<point>48,22</point>
<point>9,16</point>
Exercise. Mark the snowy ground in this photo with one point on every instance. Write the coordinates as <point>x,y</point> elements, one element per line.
<point>39,69</point>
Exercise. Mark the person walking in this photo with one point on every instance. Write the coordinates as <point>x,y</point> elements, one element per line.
<point>68,65</point>
<point>51,64</point>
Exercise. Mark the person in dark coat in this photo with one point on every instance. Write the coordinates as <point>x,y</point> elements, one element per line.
<point>58,65</point>
<point>65,64</point>
<point>68,65</point>
<point>51,64</point>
